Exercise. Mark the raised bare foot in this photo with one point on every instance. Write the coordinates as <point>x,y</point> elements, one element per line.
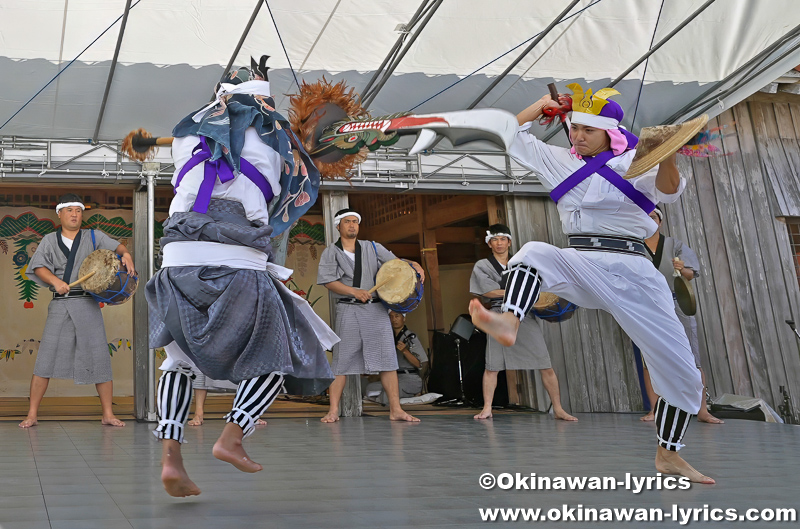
<point>561,415</point>
<point>671,463</point>
<point>502,327</point>
<point>705,416</point>
<point>331,416</point>
<point>173,474</point>
<point>28,422</point>
<point>112,421</point>
<point>197,420</point>
<point>484,414</point>
<point>229,448</point>
<point>650,417</point>
<point>401,416</point>
<point>261,422</point>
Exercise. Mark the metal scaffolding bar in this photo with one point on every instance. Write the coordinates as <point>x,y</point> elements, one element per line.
<point>111,71</point>
<point>525,52</point>
<point>402,53</point>
<point>241,39</point>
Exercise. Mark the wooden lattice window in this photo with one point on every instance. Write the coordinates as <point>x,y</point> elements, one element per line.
<point>378,209</point>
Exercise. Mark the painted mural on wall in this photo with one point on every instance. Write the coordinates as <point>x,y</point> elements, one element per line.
<point>23,309</point>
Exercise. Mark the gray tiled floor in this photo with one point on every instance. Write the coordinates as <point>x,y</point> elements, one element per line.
<point>371,473</point>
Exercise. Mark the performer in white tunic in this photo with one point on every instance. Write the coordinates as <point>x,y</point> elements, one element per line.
<point>606,218</point>
<point>74,343</point>
<point>347,268</point>
<point>488,281</point>
<point>218,304</point>
<point>670,255</point>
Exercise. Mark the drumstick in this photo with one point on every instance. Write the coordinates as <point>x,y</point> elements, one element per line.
<point>82,279</point>
<point>675,271</point>
<point>379,285</point>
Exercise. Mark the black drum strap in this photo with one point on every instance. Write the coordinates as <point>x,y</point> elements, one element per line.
<point>69,253</point>
<point>500,270</point>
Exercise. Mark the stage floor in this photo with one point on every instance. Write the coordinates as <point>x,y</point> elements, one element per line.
<point>371,473</point>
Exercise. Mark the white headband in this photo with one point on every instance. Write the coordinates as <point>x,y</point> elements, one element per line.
<point>591,120</point>
<point>69,205</point>
<point>490,236</point>
<point>338,218</point>
<point>659,213</point>
<point>254,87</point>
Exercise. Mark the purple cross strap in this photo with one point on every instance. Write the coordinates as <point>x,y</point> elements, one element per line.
<point>597,164</point>
<point>222,169</point>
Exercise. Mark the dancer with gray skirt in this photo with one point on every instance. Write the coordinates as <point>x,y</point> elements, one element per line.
<point>218,304</point>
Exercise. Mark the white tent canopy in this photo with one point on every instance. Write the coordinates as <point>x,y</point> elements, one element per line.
<point>173,52</point>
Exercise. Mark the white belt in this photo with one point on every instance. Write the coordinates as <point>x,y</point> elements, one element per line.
<point>201,253</point>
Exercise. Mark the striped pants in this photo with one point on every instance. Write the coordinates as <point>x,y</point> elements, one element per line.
<point>253,397</point>
<point>522,291</point>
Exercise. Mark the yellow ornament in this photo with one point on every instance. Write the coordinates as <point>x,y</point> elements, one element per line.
<point>587,102</point>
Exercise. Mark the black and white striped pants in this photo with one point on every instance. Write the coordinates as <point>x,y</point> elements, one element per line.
<point>253,397</point>
<point>522,290</point>
<point>671,424</point>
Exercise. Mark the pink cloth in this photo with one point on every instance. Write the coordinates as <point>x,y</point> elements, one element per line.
<point>619,143</point>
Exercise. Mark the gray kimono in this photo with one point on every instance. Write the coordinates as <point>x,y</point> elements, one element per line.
<point>74,343</point>
<point>409,378</point>
<point>668,248</point>
<point>367,345</point>
<point>530,350</point>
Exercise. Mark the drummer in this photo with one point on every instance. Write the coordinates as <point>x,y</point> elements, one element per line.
<point>670,255</point>
<point>74,341</point>
<point>347,268</point>
<point>488,281</point>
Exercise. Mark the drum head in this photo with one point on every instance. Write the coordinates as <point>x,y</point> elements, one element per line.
<point>402,280</point>
<point>546,300</point>
<point>105,265</point>
<point>684,295</point>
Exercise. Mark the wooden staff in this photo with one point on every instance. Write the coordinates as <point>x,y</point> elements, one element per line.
<point>81,279</point>
<point>554,95</point>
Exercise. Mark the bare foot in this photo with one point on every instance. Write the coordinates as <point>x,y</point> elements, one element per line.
<point>561,415</point>
<point>112,421</point>
<point>502,327</point>
<point>173,474</point>
<point>331,416</point>
<point>229,448</point>
<point>671,463</point>
<point>261,422</point>
<point>27,423</point>
<point>401,416</point>
<point>650,417</point>
<point>197,420</point>
<point>484,414</point>
<point>705,416</point>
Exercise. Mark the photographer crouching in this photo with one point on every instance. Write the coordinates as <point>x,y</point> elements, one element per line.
<point>411,361</point>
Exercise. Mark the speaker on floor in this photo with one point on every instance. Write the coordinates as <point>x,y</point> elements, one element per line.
<point>444,377</point>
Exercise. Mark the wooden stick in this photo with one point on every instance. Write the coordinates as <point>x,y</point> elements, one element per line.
<point>379,285</point>
<point>82,279</point>
<point>554,95</point>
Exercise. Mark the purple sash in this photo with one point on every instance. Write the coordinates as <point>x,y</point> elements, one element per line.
<point>202,153</point>
<point>597,164</point>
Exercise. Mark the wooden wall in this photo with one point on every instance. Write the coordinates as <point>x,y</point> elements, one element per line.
<point>733,214</point>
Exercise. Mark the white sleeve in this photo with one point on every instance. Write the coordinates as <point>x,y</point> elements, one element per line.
<point>646,183</point>
<point>529,151</point>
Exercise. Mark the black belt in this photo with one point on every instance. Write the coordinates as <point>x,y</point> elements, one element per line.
<point>604,243</point>
<point>353,301</point>
<point>408,371</point>
<point>72,294</point>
